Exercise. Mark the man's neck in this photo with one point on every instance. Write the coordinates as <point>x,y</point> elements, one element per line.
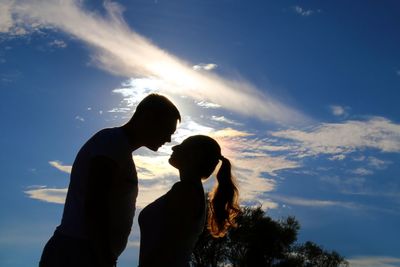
<point>133,136</point>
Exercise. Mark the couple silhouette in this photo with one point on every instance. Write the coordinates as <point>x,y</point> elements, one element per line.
<point>101,198</point>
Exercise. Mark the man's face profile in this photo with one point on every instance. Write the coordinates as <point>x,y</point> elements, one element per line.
<point>161,132</point>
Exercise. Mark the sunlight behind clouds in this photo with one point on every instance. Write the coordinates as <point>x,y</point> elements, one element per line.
<point>121,51</point>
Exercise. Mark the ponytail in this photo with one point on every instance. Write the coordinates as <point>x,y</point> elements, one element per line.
<point>224,207</point>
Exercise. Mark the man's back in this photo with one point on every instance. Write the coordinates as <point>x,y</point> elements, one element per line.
<point>111,144</point>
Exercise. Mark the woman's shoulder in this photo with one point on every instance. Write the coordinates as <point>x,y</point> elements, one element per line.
<point>187,193</point>
<point>187,188</point>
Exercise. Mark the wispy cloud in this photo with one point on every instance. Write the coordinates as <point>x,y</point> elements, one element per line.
<point>51,195</point>
<point>337,157</point>
<point>339,110</point>
<point>58,165</point>
<point>118,49</point>
<point>305,12</point>
<point>362,171</point>
<point>6,21</point>
<point>377,164</point>
<point>58,43</point>
<point>225,120</point>
<point>254,168</point>
<point>318,203</point>
<point>373,261</point>
<point>342,138</point>
<point>205,66</point>
<point>79,118</point>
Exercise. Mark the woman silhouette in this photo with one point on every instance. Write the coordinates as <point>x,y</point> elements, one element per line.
<point>171,225</point>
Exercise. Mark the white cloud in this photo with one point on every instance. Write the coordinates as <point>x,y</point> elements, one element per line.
<point>119,50</point>
<point>79,118</point>
<point>6,21</point>
<point>51,195</point>
<point>377,163</point>
<point>250,160</point>
<point>206,104</point>
<point>132,243</point>
<point>338,110</point>
<point>58,165</point>
<point>225,120</point>
<point>58,43</point>
<point>304,12</point>
<point>373,261</point>
<point>338,157</point>
<point>204,66</point>
<point>342,138</point>
<point>362,171</point>
<point>119,110</point>
<point>317,203</point>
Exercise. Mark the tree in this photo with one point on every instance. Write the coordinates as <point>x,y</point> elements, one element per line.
<point>260,241</point>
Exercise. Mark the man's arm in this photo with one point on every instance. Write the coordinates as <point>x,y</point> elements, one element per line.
<point>101,175</point>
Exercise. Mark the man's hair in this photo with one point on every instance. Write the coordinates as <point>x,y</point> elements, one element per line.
<point>158,105</point>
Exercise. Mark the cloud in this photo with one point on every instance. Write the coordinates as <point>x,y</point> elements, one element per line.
<point>362,171</point>
<point>303,12</point>
<point>6,21</point>
<point>338,157</point>
<point>204,66</point>
<point>58,165</point>
<point>225,120</point>
<point>51,195</point>
<point>58,44</point>
<point>206,104</point>
<point>372,261</point>
<point>119,50</point>
<point>338,110</point>
<point>316,203</point>
<point>119,110</point>
<point>377,164</point>
<point>133,243</point>
<point>79,118</point>
<point>253,167</point>
<point>343,138</point>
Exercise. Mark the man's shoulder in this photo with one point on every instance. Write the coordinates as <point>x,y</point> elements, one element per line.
<point>108,142</point>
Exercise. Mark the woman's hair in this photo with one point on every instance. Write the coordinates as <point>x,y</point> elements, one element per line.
<point>223,206</point>
<point>223,199</point>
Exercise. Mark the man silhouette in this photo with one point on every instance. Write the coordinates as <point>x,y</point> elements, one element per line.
<point>100,203</point>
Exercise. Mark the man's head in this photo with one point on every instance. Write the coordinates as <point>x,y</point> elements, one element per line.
<point>156,118</point>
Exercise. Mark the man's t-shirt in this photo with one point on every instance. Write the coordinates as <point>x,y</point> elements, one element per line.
<point>112,144</point>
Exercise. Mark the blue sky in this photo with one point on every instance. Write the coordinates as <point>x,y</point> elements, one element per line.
<point>302,95</point>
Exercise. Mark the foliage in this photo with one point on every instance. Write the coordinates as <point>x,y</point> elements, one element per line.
<point>260,241</point>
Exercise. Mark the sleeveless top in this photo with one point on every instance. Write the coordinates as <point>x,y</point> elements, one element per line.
<point>170,226</point>
<point>113,144</point>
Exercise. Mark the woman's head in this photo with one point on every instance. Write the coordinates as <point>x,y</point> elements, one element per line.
<point>198,157</point>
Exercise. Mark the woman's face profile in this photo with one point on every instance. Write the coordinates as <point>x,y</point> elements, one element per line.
<point>179,156</point>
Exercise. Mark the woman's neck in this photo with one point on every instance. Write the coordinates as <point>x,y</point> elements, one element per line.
<point>188,176</point>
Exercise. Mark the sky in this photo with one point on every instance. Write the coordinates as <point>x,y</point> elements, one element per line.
<point>301,95</point>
